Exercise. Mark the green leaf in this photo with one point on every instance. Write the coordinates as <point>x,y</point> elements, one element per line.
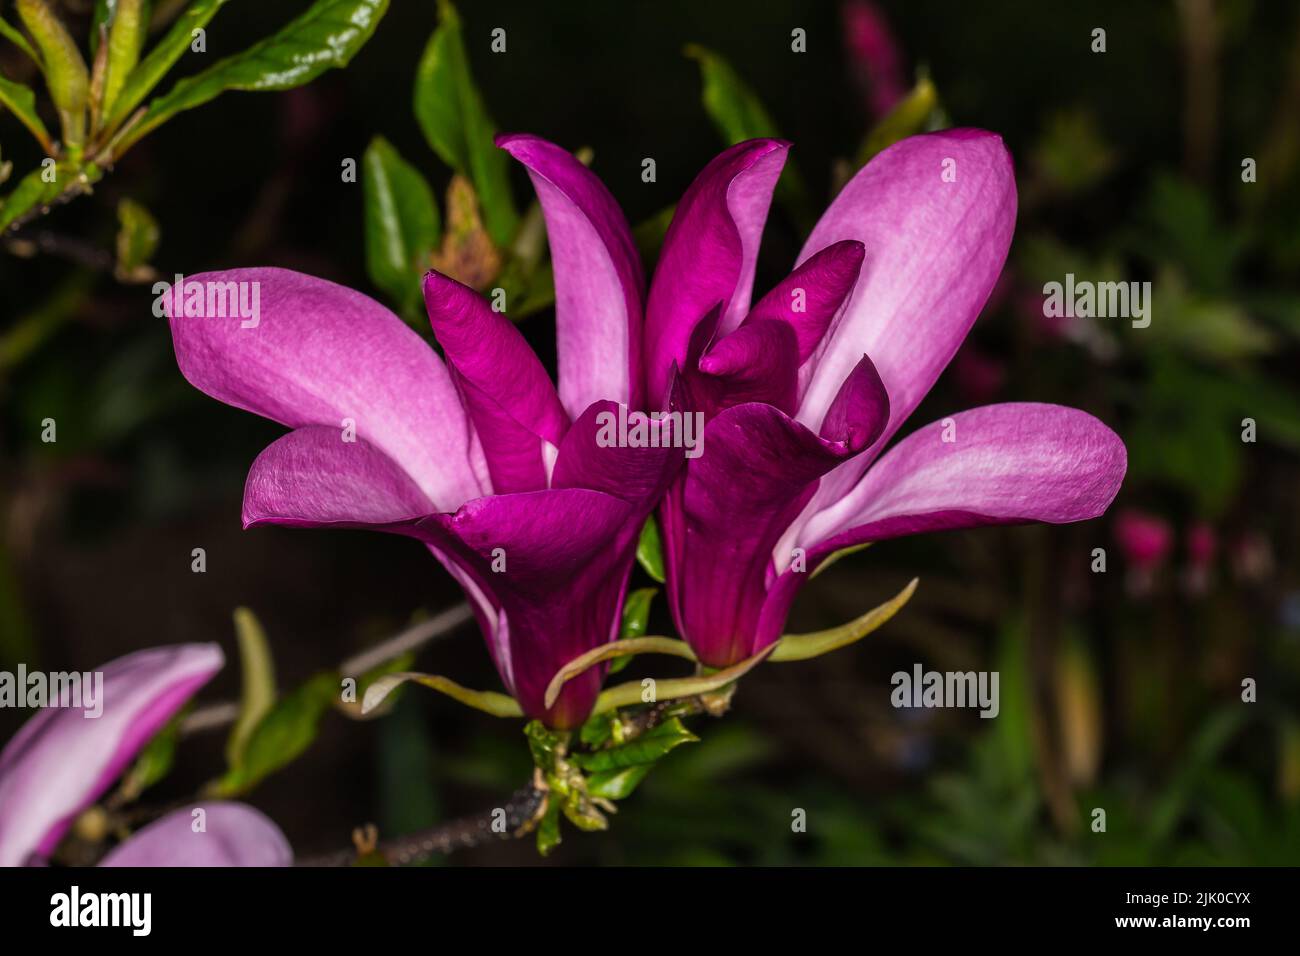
<point>33,191</point>
<point>456,123</point>
<point>128,26</point>
<point>14,36</point>
<point>616,784</point>
<point>800,647</point>
<point>162,58</point>
<point>21,101</point>
<point>286,731</point>
<point>649,235</point>
<point>137,240</point>
<point>548,830</point>
<point>642,750</point>
<point>739,114</point>
<point>154,761</point>
<point>326,36</point>
<point>649,550</point>
<point>638,645</point>
<point>257,675</point>
<point>636,612</point>
<point>66,75</point>
<point>633,692</point>
<point>401,222</point>
<point>488,701</point>
<point>909,116</point>
<point>544,744</point>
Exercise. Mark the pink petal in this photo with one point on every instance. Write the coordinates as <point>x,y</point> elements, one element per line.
<point>233,834</point>
<point>61,760</point>
<point>1007,464</point>
<point>320,353</point>
<point>709,254</point>
<point>510,399</point>
<point>312,477</point>
<point>599,283</point>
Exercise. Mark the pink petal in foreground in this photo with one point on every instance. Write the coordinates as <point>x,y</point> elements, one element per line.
<point>599,283</point>
<point>1004,464</point>
<point>232,834</point>
<point>709,255</point>
<point>510,399</point>
<point>61,761</point>
<point>320,353</point>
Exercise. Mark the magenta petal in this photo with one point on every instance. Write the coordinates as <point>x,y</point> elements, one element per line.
<point>709,254</point>
<point>61,760</point>
<point>320,353</point>
<point>637,475</point>
<point>758,362</point>
<point>934,249</point>
<point>312,477</point>
<point>599,284</point>
<point>506,390</point>
<point>564,557</point>
<point>1005,464</point>
<point>233,834</point>
<point>810,296</point>
<point>722,519</point>
<point>860,410</point>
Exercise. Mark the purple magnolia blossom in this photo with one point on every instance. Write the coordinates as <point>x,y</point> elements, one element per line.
<point>803,390</point>
<point>61,762</point>
<point>495,469</point>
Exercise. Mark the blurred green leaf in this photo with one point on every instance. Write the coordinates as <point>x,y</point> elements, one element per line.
<point>326,36</point>
<point>15,36</point>
<point>909,116</point>
<point>286,731</point>
<point>401,223</point>
<point>456,123</point>
<point>649,235</point>
<point>154,761</point>
<point>616,784</point>
<point>257,684</point>
<point>21,101</point>
<point>137,240</point>
<point>1071,155</point>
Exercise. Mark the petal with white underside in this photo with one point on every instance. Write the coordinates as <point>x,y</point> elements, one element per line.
<point>232,834</point>
<point>318,353</point>
<point>62,760</point>
<point>999,464</point>
<point>599,284</point>
<point>709,255</point>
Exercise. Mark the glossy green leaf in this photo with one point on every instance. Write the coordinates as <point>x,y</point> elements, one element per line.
<point>617,784</point>
<point>636,613</point>
<point>257,683</point>
<point>162,58</point>
<point>649,550</point>
<point>800,647</point>
<point>455,121</point>
<point>401,223</point>
<point>326,36</point>
<point>21,101</point>
<point>644,749</point>
<point>137,240</point>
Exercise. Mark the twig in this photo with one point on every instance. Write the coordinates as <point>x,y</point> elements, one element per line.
<point>222,714</point>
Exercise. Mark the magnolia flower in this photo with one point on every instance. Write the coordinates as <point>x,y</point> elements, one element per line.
<point>803,390</point>
<point>61,762</point>
<point>497,471</point>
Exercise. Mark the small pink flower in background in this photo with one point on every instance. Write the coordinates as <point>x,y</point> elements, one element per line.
<point>1145,540</point>
<point>875,57</point>
<point>1202,545</point>
<point>60,762</point>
